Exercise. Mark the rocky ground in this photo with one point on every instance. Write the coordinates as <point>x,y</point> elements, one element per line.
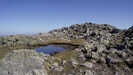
<point>102,50</point>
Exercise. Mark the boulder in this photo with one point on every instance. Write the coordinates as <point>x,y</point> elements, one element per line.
<point>23,62</point>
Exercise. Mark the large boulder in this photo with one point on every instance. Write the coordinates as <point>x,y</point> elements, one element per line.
<point>23,62</point>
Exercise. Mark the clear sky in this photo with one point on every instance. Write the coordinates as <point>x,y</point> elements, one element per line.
<point>27,16</point>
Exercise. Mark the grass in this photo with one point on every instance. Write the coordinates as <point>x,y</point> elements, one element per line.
<point>63,41</point>
<point>66,55</point>
<point>3,52</point>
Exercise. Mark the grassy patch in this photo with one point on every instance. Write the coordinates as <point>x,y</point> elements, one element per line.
<point>63,41</point>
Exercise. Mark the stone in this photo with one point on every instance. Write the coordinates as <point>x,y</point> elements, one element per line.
<point>102,60</point>
<point>129,62</point>
<point>60,68</point>
<point>89,72</point>
<point>22,62</point>
<point>64,62</point>
<point>101,48</point>
<point>88,65</point>
<point>74,62</point>
<point>81,56</point>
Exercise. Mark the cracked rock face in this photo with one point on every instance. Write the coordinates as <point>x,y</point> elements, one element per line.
<point>22,62</point>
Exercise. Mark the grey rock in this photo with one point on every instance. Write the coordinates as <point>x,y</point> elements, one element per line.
<point>88,64</point>
<point>89,72</point>
<point>74,62</point>
<point>22,62</point>
<point>130,62</point>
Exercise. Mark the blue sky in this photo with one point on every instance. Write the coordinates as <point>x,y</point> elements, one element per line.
<point>33,16</point>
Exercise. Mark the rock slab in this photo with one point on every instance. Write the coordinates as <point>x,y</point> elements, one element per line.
<point>22,62</point>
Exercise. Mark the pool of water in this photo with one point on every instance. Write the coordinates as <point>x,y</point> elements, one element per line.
<point>50,49</point>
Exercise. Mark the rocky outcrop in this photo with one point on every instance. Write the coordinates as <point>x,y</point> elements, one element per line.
<point>104,44</point>
<point>105,50</point>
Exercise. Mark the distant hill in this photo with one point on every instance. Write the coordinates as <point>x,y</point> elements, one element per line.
<point>2,34</point>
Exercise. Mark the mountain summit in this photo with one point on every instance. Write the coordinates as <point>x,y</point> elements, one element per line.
<point>99,49</point>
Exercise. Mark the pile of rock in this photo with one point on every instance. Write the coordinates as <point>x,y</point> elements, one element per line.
<point>106,50</point>
<point>104,44</point>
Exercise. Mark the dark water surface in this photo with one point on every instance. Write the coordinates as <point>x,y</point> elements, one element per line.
<point>50,49</point>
